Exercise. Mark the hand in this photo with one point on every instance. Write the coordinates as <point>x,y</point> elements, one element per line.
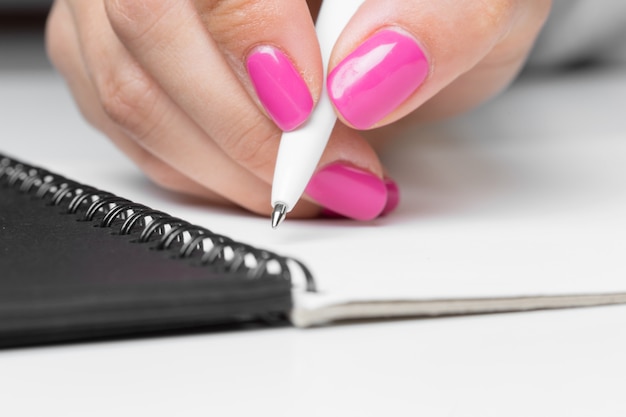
<point>198,92</point>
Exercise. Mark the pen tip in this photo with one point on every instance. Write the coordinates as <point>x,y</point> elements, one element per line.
<point>278,214</point>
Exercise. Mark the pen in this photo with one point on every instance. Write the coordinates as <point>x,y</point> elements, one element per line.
<point>300,150</point>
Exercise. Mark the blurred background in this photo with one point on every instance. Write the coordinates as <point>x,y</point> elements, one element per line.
<point>22,25</point>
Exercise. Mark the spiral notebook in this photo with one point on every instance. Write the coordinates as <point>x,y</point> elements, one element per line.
<point>77,262</point>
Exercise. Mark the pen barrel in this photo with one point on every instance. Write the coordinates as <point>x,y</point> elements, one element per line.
<point>331,21</point>
<point>300,150</point>
<point>299,154</point>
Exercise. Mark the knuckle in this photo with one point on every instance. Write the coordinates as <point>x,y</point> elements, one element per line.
<point>125,13</point>
<point>128,98</point>
<point>93,116</point>
<point>231,21</point>
<point>495,16</point>
<point>496,11</point>
<point>251,143</point>
<point>134,18</point>
<point>230,7</point>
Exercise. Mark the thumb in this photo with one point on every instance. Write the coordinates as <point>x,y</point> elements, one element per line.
<point>394,55</point>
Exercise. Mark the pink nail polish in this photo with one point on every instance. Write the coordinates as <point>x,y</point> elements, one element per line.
<point>393,196</point>
<point>279,86</point>
<point>348,191</point>
<point>393,199</point>
<point>377,77</point>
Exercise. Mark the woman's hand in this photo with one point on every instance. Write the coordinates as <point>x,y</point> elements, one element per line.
<point>198,92</point>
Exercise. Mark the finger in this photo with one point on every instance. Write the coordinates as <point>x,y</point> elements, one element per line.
<point>138,106</point>
<point>395,55</point>
<point>211,95</point>
<point>174,161</point>
<point>494,72</point>
<point>272,47</point>
<point>347,189</point>
<point>268,44</point>
<point>190,68</point>
<point>64,52</point>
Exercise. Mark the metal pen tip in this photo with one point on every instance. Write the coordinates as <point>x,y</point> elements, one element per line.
<point>278,214</point>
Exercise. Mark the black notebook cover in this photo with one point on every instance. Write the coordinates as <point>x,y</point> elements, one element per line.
<point>77,262</point>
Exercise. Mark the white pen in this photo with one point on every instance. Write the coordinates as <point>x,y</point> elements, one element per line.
<point>300,150</point>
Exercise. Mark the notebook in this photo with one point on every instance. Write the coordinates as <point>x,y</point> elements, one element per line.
<point>78,262</point>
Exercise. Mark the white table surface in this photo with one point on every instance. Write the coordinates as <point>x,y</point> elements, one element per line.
<point>550,363</point>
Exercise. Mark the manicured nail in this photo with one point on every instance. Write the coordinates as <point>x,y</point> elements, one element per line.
<point>393,199</point>
<point>279,86</point>
<point>393,196</point>
<point>348,191</point>
<point>377,77</point>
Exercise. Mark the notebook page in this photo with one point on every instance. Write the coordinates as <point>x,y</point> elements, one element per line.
<point>524,198</point>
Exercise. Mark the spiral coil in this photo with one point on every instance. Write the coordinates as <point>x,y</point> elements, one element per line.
<point>146,226</point>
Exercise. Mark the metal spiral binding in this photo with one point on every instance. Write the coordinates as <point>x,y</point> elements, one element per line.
<point>149,227</point>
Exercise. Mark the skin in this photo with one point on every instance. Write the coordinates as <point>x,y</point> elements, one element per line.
<point>166,81</point>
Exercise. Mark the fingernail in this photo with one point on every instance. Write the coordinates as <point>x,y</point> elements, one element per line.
<point>348,191</point>
<point>377,77</point>
<point>393,196</point>
<point>279,86</point>
<point>393,199</point>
